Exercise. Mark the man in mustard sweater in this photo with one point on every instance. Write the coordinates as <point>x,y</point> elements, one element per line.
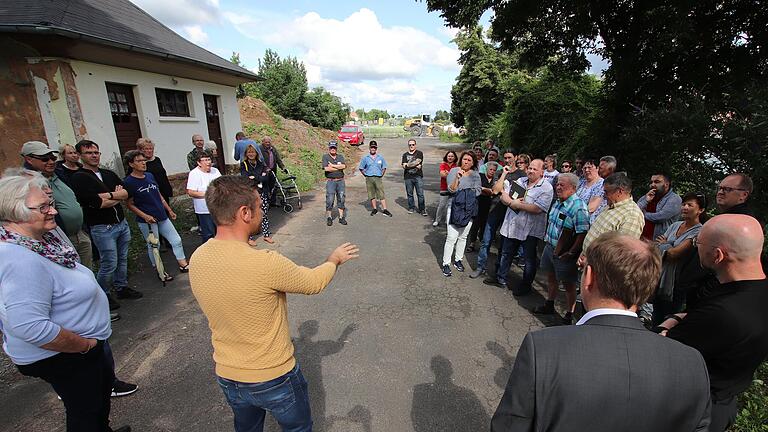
<point>242,291</point>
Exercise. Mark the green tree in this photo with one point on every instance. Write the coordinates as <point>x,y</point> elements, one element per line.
<point>284,86</point>
<point>243,89</point>
<point>442,115</point>
<point>375,114</point>
<point>323,109</point>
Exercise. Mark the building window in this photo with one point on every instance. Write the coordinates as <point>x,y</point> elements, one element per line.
<point>172,103</point>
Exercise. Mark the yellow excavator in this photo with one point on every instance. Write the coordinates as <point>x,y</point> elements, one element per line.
<point>422,126</point>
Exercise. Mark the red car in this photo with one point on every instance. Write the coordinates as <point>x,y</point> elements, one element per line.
<point>352,135</point>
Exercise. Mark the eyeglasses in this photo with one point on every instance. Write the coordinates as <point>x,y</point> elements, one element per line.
<point>726,189</point>
<point>45,158</point>
<point>45,208</point>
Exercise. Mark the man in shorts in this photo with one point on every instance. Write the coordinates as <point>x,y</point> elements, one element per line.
<point>373,167</point>
<point>567,227</point>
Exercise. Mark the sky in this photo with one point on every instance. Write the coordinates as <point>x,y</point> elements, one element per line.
<point>391,55</point>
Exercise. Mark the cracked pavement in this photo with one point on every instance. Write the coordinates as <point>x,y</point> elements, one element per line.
<point>423,353</point>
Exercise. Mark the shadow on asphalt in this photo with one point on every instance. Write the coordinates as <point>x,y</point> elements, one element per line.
<point>310,355</point>
<point>501,376</point>
<point>444,406</point>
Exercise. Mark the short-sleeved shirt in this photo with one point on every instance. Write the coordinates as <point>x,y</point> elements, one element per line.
<point>551,176</point>
<point>328,159</point>
<point>571,213</point>
<point>523,224</point>
<point>416,171</point>
<point>199,181</point>
<point>70,212</point>
<point>586,193</point>
<point>444,166</point>
<point>373,166</point>
<point>146,196</point>
<point>624,216</point>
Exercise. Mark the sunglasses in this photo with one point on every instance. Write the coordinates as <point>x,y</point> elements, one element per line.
<point>48,157</point>
<point>566,166</point>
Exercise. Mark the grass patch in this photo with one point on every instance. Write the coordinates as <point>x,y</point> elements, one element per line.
<point>451,138</point>
<point>753,404</point>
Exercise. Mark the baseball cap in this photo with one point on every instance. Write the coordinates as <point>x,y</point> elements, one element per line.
<point>36,148</point>
<point>373,144</point>
<point>332,144</point>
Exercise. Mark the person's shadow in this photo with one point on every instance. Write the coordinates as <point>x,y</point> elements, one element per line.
<point>445,406</point>
<point>507,362</point>
<point>310,355</point>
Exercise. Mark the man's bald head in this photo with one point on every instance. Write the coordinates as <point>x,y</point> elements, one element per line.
<point>739,237</point>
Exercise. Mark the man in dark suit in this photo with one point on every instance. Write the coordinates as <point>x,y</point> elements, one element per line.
<point>607,373</point>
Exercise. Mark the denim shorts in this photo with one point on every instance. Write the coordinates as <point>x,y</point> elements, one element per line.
<point>565,270</point>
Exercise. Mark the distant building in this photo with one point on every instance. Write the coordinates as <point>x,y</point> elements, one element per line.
<point>107,71</point>
<point>353,116</point>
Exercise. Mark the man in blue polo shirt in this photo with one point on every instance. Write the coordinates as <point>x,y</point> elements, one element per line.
<point>567,227</point>
<point>373,167</point>
<point>241,143</point>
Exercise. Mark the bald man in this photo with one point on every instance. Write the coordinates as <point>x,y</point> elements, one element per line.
<point>199,142</point>
<point>729,325</point>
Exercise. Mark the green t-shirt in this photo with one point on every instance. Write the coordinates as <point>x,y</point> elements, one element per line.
<point>69,209</point>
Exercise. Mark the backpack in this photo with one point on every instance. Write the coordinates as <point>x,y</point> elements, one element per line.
<point>463,207</point>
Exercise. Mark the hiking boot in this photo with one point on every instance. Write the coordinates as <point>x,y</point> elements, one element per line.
<point>459,266</point>
<point>122,388</point>
<point>446,270</point>
<point>477,273</point>
<point>343,221</point>
<point>547,308</point>
<point>129,293</point>
<point>113,304</point>
<point>374,211</point>
<point>329,222</point>
<point>386,212</point>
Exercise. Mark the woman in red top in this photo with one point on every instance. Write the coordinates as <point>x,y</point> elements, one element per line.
<point>449,161</point>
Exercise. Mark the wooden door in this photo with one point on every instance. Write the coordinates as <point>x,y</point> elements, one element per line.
<point>124,116</point>
<point>214,128</point>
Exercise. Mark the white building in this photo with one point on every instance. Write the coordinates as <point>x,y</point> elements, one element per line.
<point>106,71</point>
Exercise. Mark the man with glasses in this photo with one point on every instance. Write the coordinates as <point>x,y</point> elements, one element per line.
<point>728,326</point>
<point>733,193</point>
<point>100,192</point>
<point>621,213</point>
<point>413,176</point>
<point>38,157</point>
<point>197,183</point>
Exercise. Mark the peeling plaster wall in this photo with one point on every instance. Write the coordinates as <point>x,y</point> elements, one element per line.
<point>172,136</point>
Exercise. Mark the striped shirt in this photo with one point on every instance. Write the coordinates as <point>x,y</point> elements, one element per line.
<point>624,216</point>
<point>571,213</point>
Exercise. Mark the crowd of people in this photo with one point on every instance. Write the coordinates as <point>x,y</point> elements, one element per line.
<point>655,265</point>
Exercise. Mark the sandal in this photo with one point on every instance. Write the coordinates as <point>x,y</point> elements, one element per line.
<point>166,278</point>
<point>269,240</point>
<point>184,269</point>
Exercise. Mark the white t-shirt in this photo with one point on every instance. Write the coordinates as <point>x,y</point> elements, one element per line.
<point>551,176</point>
<point>199,181</point>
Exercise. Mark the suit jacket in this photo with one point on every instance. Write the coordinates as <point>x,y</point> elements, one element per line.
<point>610,374</point>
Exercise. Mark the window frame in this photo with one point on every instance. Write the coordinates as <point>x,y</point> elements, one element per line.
<point>178,99</point>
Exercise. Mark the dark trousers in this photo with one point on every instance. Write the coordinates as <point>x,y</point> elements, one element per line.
<point>478,224</point>
<point>723,414</point>
<point>508,248</point>
<point>84,383</point>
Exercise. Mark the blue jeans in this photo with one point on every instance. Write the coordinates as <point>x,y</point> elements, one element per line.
<point>286,398</point>
<point>418,184</point>
<point>334,189</point>
<point>207,227</point>
<point>491,225</point>
<point>166,229</point>
<point>508,249</point>
<point>112,243</point>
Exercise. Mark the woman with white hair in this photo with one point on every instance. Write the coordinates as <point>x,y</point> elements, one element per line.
<point>53,314</point>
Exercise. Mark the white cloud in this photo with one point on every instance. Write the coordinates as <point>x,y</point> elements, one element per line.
<point>354,49</point>
<point>398,96</point>
<point>182,12</point>
<point>195,34</point>
<point>451,32</point>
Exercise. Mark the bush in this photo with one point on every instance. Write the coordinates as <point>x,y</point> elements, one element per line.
<point>753,404</point>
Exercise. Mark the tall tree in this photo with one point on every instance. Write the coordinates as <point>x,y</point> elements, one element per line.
<point>284,86</point>
<point>323,109</point>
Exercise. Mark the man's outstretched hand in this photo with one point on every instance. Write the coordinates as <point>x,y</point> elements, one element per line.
<point>344,253</point>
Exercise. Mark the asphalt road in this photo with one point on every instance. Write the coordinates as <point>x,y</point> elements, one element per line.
<point>390,345</point>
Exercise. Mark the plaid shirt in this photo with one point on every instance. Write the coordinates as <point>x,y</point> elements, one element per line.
<point>624,216</point>
<point>571,213</point>
<point>522,224</point>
